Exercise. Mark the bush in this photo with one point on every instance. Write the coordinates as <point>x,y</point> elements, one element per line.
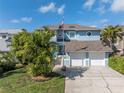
<point>34,70</point>
<point>7,66</point>
<point>38,69</point>
<point>1,70</point>
<point>117,63</point>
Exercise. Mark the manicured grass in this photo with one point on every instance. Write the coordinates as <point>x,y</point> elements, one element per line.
<point>17,81</point>
<point>117,63</point>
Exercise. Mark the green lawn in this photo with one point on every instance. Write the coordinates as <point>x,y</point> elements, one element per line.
<point>17,82</point>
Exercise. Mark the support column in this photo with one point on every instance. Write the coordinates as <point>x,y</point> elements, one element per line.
<point>87,60</point>
<point>106,58</point>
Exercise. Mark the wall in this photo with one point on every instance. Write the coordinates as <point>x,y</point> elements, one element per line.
<point>80,35</point>
<point>5,34</point>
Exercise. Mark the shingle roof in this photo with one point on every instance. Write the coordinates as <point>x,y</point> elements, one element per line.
<point>10,31</point>
<point>3,46</point>
<point>84,46</point>
<point>75,27</point>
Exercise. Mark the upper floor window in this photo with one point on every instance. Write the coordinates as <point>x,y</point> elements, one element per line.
<point>81,34</point>
<point>3,36</point>
<point>89,33</point>
<point>72,34</point>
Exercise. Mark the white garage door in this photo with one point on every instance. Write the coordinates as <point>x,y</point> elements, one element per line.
<point>77,59</point>
<point>97,58</point>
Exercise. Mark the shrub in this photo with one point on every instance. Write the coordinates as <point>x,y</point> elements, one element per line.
<point>7,66</point>
<point>7,61</point>
<point>38,69</point>
<point>34,69</point>
<point>117,63</point>
<point>1,70</point>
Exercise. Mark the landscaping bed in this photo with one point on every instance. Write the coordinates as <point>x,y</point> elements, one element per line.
<point>117,63</point>
<point>17,81</point>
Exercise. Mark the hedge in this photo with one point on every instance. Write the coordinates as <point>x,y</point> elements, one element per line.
<point>117,63</point>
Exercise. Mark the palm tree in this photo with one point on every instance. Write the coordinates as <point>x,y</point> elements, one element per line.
<point>110,35</point>
<point>42,48</point>
<point>19,45</point>
<point>36,49</point>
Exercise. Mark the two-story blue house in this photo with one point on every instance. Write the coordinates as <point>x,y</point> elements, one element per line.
<point>82,45</point>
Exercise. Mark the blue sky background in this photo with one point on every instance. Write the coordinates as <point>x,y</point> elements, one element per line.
<point>31,14</point>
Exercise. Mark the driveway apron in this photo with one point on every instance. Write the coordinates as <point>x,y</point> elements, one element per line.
<point>93,80</point>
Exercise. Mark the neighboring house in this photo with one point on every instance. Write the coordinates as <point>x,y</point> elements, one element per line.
<point>5,38</point>
<point>82,45</point>
<point>120,44</point>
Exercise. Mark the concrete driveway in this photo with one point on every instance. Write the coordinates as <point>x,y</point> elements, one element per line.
<point>93,80</point>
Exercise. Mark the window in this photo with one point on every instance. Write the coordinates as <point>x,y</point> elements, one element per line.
<point>61,50</point>
<point>89,33</point>
<point>87,55</point>
<point>81,33</point>
<point>3,36</point>
<point>72,34</point>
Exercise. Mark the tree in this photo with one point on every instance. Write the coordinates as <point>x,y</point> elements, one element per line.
<point>20,44</point>
<point>42,50</point>
<point>35,50</point>
<point>110,35</point>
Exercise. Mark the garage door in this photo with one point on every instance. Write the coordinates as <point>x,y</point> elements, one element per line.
<point>97,59</point>
<point>77,59</point>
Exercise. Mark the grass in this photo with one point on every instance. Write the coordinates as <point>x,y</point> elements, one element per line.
<point>117,63</point>
<point>17,81</point>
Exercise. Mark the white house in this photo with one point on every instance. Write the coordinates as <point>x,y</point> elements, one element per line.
<point>5,38</point>
<point>82,46</point>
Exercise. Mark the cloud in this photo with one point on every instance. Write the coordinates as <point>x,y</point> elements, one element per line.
<point>89,4</point>
<point>93,26</point>
<point>47,8</point>
<point>117,6</point>
<point>52,8</point>
<point>61,9</point>
<point>104,21</point>
<point>23,19</point>
<point>14,21</point>
<point>101,9</point>
<point>106,1</point>
<point>26,19</point>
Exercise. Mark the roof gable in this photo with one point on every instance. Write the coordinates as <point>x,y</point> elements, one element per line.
<point>73,27</point>
<point>10,31</point>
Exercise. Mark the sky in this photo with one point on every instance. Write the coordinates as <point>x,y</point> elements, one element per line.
<point>32,14</point>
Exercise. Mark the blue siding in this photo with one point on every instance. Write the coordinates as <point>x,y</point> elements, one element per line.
<point>87,38</point>
<point>81,35</point>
